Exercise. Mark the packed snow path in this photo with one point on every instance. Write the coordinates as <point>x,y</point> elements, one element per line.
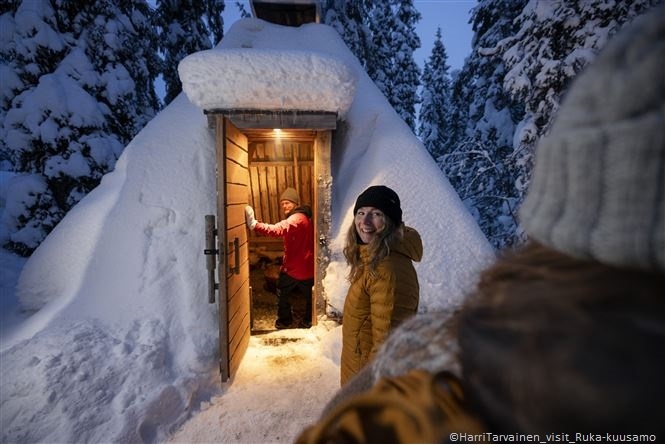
<point>281,387</point>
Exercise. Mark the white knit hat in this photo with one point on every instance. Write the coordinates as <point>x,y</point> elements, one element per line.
<point>598,185</point>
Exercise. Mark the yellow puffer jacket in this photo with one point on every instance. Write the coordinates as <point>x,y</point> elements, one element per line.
<point>377,303</point>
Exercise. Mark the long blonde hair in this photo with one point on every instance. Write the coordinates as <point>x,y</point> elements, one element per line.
<point>379,248</point>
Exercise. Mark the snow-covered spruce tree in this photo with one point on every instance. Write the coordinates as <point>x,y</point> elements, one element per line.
<point>214,20</point>
<point>435,110</point>
<point>390,58</point>
<point>242,11</point>
<point>19,69</point>
<point>29,61</point>
<point>379,57</point>
<point>119,38</point>
<point>525,55</point>
<point>556,40</point>
<point>186,26</point>
<point>482,121</point>
<point>348,18</point>
<point>382,36</point>
<point>405,73</point>
<point>81,86</point>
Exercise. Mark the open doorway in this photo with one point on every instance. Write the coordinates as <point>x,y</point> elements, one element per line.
<point>277,159</point>
<point>299,157</point>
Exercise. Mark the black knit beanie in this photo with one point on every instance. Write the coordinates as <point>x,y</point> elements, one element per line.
<point>382,198</point>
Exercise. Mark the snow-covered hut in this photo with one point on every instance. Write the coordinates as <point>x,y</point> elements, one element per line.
<point>279,113</point>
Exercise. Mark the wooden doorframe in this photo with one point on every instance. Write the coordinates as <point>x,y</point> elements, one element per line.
<point>322,217</point>
<point>234,295</point>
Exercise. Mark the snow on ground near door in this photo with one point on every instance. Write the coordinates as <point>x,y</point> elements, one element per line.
<point>281,387</point>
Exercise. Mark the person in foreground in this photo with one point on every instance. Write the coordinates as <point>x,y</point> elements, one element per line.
<point>297,270</point>
<point>384,287</point>
<point>563,339</point>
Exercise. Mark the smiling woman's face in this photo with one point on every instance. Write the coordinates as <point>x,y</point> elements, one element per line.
<point>369,221</point>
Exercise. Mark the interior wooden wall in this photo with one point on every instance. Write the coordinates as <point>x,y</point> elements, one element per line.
<point>276,164</point>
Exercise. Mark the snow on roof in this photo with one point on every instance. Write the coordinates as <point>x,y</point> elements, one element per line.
<point>267,79</point>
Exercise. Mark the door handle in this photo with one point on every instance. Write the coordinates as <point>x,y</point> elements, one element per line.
<point>211,254</point>
<point>235,269</point>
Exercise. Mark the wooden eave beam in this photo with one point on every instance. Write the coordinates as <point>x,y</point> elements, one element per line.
<point>282,119</point>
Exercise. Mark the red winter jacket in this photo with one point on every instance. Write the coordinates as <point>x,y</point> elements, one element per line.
<point>298,234</point>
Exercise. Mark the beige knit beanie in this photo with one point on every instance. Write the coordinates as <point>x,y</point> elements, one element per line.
<point>290,194</point>
<point>598,184</point>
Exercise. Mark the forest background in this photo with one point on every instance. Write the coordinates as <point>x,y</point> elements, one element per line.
<point>480,123</point>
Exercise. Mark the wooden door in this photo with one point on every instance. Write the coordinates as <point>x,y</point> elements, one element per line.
<point>233,182</point>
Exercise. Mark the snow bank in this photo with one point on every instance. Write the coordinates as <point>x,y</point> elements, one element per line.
<point>125,340</point>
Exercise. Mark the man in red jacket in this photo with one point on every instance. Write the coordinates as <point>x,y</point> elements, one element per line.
<point>297,271</point>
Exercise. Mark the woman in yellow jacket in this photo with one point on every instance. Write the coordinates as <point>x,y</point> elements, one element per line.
<point>384,289</point>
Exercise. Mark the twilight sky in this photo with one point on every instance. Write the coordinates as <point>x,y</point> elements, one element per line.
<point>451,15</point>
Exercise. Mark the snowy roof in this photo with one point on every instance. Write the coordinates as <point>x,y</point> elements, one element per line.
<point>267,79</point>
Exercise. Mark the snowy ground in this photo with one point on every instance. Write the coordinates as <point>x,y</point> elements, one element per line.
<point>283,383</point>
<point>10,268</point>
<point>280,388</point>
